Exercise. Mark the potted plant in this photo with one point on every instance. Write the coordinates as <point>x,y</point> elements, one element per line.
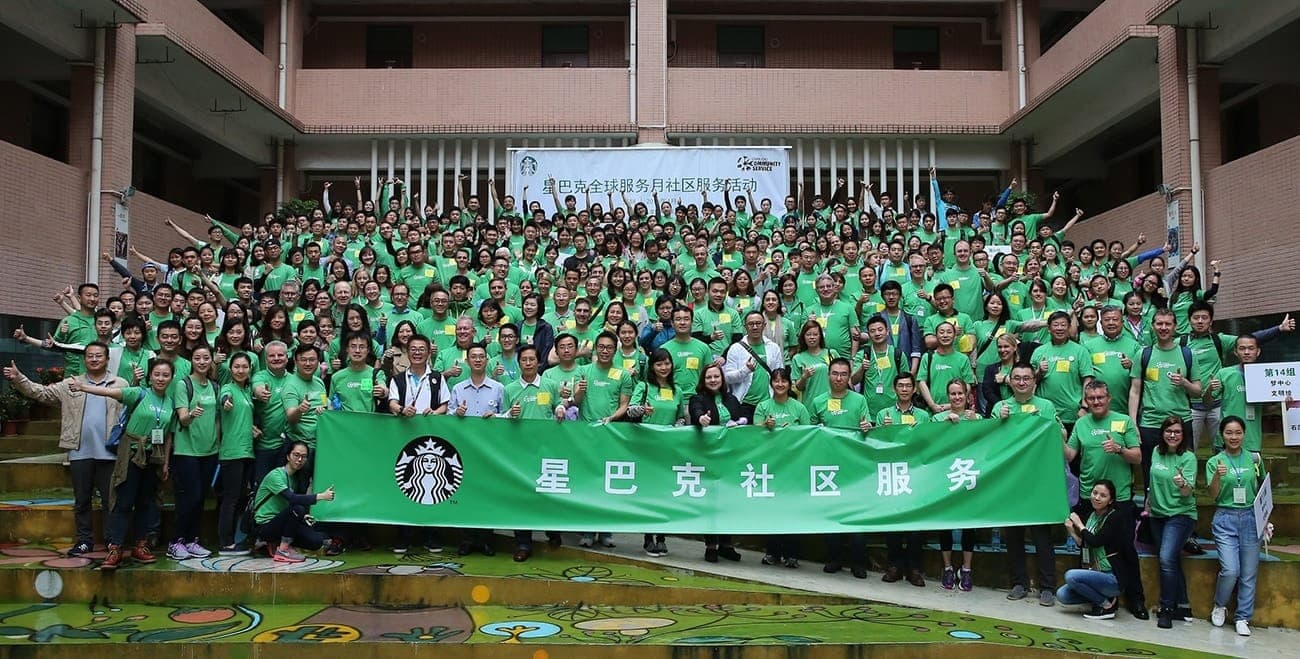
<point>16,409</point>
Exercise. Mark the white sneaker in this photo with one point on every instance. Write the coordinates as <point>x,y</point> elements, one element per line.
<point>176,551</point>
<point>197,550</point>
<point>1243,628</point>
<point>1218,615</point>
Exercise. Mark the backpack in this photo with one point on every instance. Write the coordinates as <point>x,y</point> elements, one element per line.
<point>1214,336</point>
<point>1146,361</point>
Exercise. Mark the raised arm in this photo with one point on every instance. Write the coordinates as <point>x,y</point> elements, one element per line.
<point>1051,210</point>
<point>181,232</point>
<point>1078,213</point>
<point>226,231</point>
<point>1002,199</point>
<point>555,195</point>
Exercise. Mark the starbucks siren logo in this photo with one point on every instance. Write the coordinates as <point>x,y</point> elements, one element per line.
<point>527,166</point>
<point>428,470</point>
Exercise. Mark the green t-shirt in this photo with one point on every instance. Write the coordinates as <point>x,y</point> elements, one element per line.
<point>668,403</point>
<point>836,319</point>
<point>355,387</point>
<point>938,370</point>
<point>1068,365</point>
<point>269,415</point>
<point>1166,500</point>
<point>1096,464</point>
<point>77,328</point>
<point>130,359</point>
<point>967,288</point>
<point>1243,471</point>
<point>726,320</point>
<point>899,417</point>
<point>275,277</point>
<point>878,377</point>
<point>963,340</point>
<point>151,411</point>
<point>537,400</point>
<point>689,359</point>
<point>237,423</point>
<point>1107,365</point>
<point>200,438</point>
<point>819,381</point>
<point>846,412</point>
<point>789,413</point>
<point>295,390</point>
<point>1036,405</point>
<point>1234,404</point>
<point>605,389</point>
<point>268,493</point>
<point>1206,360</point>
<point>1161,398</point>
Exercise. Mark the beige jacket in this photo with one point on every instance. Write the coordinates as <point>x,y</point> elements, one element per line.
<point>72,404</point>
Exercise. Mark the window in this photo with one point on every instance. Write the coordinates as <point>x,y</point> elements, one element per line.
<point>49,129</point>
<point>565,46</point>
<point>741,46</point>
<point>388,46</point>
<point>916,47</point>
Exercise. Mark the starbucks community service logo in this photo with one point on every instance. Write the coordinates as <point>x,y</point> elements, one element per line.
<point>527,166</point>
<point>428,470</point>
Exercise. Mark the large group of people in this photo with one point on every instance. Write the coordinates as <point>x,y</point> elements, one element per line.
<point>849,312</point>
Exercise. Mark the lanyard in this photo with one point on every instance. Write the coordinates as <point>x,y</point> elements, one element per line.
<point>1236,468</point>
<point>157,408</point>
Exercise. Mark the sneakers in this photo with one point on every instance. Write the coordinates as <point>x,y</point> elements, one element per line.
<point>80,548</point>
<point>606,540</point>
<point>1018,592</point>
<point>177,551</point>
<point>1218,616</point>
<point>433,547</point>
<point>792,563</point>
<point>859,571</point>
<point>651,549</point>
<point>729,553</point>
<point>287,556</point>
<point>966,583</point>
<point>196,550</point>
<point>832,567</point>
<point>711,554</point>
<point>1183,613</point>
<point>334,547</point>
<point>1047,597</point>
<point>1164,619</point>
<point>769,559</point>
<point>1243,628</point>
<point>949,578</point>
<point>587,540</point>
<point>143,554</point>
<point>1103,612</point>
<point>400,549</point>
<point>113,559</point>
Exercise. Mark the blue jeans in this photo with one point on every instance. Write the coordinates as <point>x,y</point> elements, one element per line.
<point>1171,533</point>
<point>1238,544</point>
<point>1088,587</point>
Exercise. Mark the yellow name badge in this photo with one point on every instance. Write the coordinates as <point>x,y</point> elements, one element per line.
<point>665,394</point>
<point>1028,409</point>
<point>955,284</point>
<point>900,272</point>
<point>449,330</point>
<point>1099,358</point>
<point>724,318</point>
<point>693,363</point>
<point>615,374</point>
<point>882,363</point>
<point>429,272</point>
<point>1117,426</point>
<point>909,419</point>
<point>833,405</point>
<point>543,398</point>
<point>1015,299</point>
<point>1062,366</point>
<point>570,323</point>
<point>450,263</point>
<point>629,364</point>
<point>821,320</point>
<point>966,343</point>
<point>895,328</point>
<point>1153,375</point>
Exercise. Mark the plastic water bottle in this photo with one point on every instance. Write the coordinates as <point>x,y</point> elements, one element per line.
<point>997,539</point>
<point>336,403</point>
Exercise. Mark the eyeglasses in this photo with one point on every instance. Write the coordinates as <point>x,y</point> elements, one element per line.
<point>298,456</point>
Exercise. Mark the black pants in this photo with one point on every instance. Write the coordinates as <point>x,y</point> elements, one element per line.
<point>1014,537</point>
<point>88,477</point>
<point>289,524</point>
<point>904,550</point>
<point>847,548</point>
<point>783,546</point>
<point>717,541</point>
<point>235,478</point>
<point>191,477</point>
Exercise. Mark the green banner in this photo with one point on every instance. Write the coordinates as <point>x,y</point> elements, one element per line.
<point>620,477</point>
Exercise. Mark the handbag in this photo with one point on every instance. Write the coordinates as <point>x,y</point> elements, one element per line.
<point>247,519</point>
<point>119,428</point>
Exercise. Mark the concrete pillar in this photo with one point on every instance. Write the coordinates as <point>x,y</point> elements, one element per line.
<point>652,70</point>
<point>1175,159</point>
<point>297,21</point>
<point>119,132</point>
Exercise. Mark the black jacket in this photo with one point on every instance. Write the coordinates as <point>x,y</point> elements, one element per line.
<point>1115,537</point>
<point>702,403</point>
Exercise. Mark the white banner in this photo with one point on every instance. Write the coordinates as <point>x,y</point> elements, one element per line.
<point>677,174</point>
<point>1266,383</point>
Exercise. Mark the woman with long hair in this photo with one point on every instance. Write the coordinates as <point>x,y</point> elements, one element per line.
<point>236,452</point>
<point>1171,509</point>
<point>1188,292</point>
<point>1109,559</point>
<point>713,405</point>
<point>811,362</point>
<point>1234,477</point>
<point>781,411</point>
<point>960,409</point>
<point>194,453</point>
